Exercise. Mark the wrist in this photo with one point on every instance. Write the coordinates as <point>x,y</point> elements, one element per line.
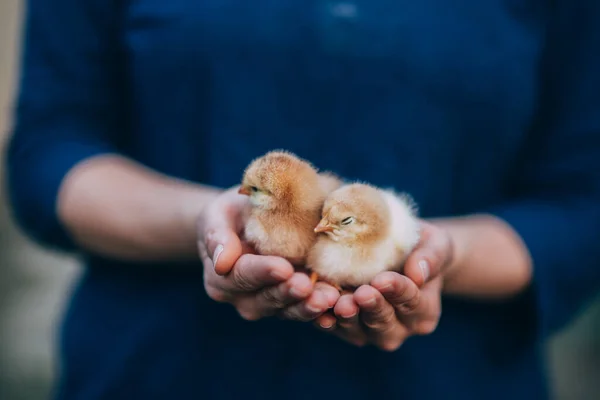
<point>489,259</point>
<point>453,262</point>
<point>458,247</point>
<point>192,200</point>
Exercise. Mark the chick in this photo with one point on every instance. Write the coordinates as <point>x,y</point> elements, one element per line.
<point>286,198</point>
<point>364,231</point>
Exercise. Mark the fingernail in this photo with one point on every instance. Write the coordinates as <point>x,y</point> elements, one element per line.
<point>216,254</point>
<point>349,315</point>
<point>313,309</point>
<point>369,302</point>
<point>331,298</point>
<point>294,291</point>
<point>424,265</point>
<point>278,274</point>
<point>326,324</point>
<point>386,288</point>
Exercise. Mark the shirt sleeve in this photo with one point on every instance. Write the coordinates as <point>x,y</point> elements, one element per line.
<point>68,107</point>
<point>556,207</point>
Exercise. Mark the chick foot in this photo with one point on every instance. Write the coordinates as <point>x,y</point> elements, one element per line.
<point>314,277</point>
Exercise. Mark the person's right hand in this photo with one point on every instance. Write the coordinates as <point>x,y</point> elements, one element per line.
<point>257,286</point>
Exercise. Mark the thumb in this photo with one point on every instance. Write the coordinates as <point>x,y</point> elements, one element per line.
<point>422,266</point>
<point>426,262</point>
<point>223,246</point>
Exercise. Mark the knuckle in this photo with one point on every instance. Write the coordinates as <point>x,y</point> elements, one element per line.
<point>292,314</point>
<point>378,328</point>
<point>209,236</point>
<point>410,306</point>
<point>271,298</point>
<point>372,325</point>
<point>248,314</point>
<point>355,339</point>
<point>242,281</point>
<point>202,251</point>
<point>425,327</point>
<point>390,345</point>
<point>215,294</point>
<point>303,314</point>
<point>401,288</point>
<point>246,308</point>
<point>436,261</point>
<point>388,318</point>
<point>382,322</point>
<point>305,317</point>
<point>407,308</point>
<point>285,314</point>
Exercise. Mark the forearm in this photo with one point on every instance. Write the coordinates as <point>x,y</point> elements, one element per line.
<point>490,260</point>
<point>118,208</point>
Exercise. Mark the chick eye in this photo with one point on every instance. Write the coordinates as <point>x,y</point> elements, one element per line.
<point>347,221</point>
<point>254,188</point>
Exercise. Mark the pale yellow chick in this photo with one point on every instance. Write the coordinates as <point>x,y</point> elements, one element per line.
<point>286,198</point>
<point>364,231</point>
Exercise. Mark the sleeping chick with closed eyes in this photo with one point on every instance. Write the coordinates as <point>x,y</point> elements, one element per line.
<point>286,198</point>
<point>364,231</point>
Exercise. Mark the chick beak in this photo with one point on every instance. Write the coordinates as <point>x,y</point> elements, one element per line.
<point>324,226</point>
<point>244,190</point>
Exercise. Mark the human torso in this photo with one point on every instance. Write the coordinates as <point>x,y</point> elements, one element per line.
<point>430,97</point>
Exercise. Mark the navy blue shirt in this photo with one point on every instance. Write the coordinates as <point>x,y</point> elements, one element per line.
<point>471,106</point>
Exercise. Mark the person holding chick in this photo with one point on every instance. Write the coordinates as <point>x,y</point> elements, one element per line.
<point>135,121</point>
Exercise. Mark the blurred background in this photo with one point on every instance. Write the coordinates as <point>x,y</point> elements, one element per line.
<point>34,285</point>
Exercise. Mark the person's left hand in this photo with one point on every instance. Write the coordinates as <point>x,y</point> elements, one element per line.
<point>394,306</point>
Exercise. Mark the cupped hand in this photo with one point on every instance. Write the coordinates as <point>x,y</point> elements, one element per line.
<point>396,306</point>
<point>257,286</point>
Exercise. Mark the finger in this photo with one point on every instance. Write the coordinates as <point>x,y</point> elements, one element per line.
<point>349,329</point>
<point>345,308</point>
<point>326,322</point>
<point>213,285</point>
<point>307,310</point>
<point>379,316</point>
<point>348,325</point>
<point>401,292</point>
<point>245,305</point>
<point>427,260</point>
<point>313,307</point>
<point>418,310</point>
<point>331,294</point>
<point>274,298</point>
<point>252,272</point>
<point>425,318</point>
